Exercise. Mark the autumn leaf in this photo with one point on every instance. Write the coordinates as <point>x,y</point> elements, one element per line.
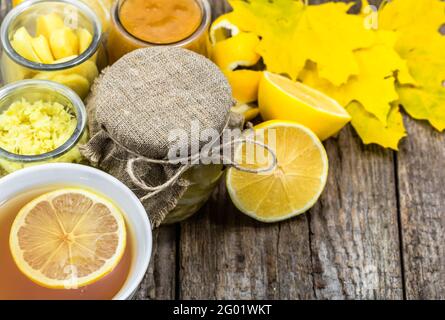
<point>328,36</point>
<point>275,22</point>
<point>420,43</point>
<point>292,34</point>
<point>374,86</point>
<point>412,19</point>
<point>371,130</point>
<point>368,66</point>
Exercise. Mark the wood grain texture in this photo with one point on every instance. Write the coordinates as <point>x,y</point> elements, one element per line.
<point>160,279</point>
<point>347,247</point>
<point>226,255</point>
<point>354,229</point>
<point>421,163</point>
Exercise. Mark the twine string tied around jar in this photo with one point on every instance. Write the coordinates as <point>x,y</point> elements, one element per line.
<point>191,160</point>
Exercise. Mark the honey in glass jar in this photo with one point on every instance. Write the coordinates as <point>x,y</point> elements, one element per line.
<point>144,23</point>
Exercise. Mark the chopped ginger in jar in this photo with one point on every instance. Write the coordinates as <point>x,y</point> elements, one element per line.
<point>32,129</point>
<point>53,47</point>
<point>35,128</point>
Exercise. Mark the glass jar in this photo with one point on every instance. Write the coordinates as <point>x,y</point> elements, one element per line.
<point>46,91</point>
<point>78,71</point>
<point>203,181</point>
<point>121,42</point>
<point>103,10</point>
<point>101,7</point>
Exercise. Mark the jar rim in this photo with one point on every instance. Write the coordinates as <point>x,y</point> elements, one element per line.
<point>81,117</point>
<point>84,56</point>
<point>206,18</point>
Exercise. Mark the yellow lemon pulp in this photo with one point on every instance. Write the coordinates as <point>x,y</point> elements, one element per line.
<point>293,186</point>
<point>68,238</point>
<point>281,98</point>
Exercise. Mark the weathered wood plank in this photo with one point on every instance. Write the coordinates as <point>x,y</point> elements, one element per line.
<point>347,247</point>
<point>354,229</point>
<point>160,280</point>
<point>421,163</point>
<point>226,255</point>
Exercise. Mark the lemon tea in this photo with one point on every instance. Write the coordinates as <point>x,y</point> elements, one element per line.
<point>16,285</point>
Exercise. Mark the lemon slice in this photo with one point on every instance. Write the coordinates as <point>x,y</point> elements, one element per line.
<point>222,29</point>
<point>281,98</point>
<point>293,186</point>
<point>67,239</point>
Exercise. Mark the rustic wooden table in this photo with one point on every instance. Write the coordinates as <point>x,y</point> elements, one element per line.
<point>378,232</point>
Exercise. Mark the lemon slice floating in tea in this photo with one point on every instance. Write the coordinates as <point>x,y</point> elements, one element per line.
<point>68,238</point>
<point>293,186</point>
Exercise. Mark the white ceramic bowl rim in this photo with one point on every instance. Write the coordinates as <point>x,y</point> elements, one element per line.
<point>51,173</point>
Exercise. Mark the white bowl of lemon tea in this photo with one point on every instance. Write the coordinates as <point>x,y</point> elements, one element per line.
<point>68,231</point>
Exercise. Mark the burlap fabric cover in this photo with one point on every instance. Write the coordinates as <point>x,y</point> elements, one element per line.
<point>137,102</point>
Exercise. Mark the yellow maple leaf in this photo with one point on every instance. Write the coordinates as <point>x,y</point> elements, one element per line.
<point>366,65</point>
<point>275,22</point>
<point>420,43</point>
<point>371,130</point>
<point>426,100</point>
<point>292,34</point>
<point>412,19</point>
<point>374,86</point>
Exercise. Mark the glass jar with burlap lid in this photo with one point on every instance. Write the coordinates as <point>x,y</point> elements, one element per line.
<point>136,105</point>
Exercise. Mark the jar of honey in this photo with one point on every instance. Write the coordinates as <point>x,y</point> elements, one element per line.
<point>143,23</point>
<point>56,40</point>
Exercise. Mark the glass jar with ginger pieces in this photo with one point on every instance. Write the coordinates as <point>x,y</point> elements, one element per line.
<point>143,23</point>
<point>40,122</point>
<point>52,40</point>
<point>100,7</point>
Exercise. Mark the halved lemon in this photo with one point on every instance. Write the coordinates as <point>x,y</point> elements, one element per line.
<point>68,238</point>
<point>295,184</point>
<point>284,99</point>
